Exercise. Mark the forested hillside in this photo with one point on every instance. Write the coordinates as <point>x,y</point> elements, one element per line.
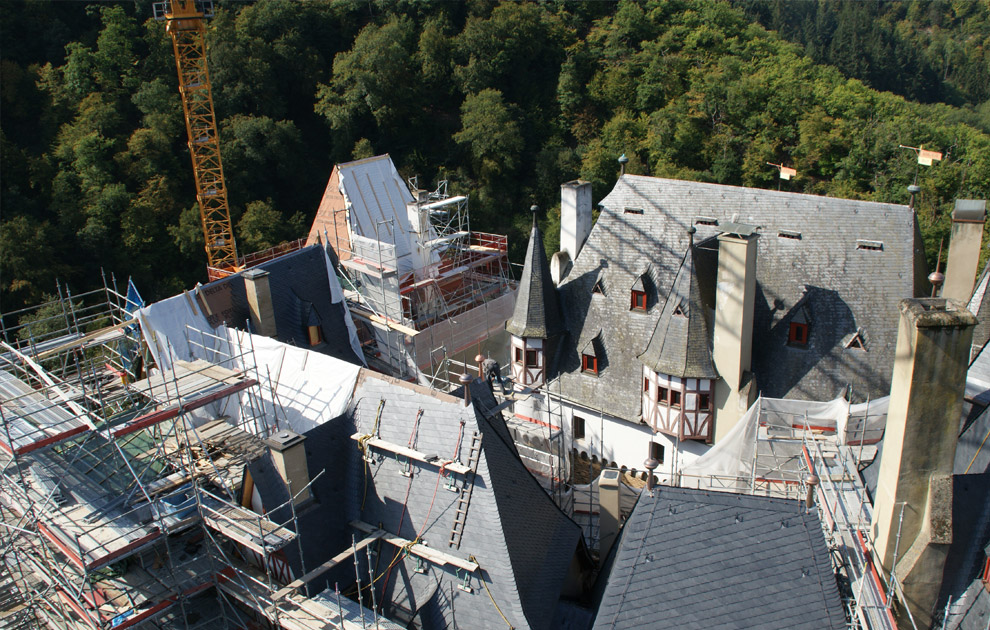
<point>505,100</point>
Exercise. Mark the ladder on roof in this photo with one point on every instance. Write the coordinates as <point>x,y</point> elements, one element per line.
<point>460,513</point>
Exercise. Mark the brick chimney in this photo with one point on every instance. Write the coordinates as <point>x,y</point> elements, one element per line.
<point>965,239</point>
<point>926,395</point>
<point>289,456</point>
<point>732,350</point>
<point>575,216</point>
<point>259,297</point>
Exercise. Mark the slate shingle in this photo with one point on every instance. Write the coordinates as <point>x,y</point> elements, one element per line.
<point>537,312</point>
<point>694,559</point>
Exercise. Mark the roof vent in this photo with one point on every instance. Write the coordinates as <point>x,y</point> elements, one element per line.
<point>876,246</point>
<point>705,221</point>
<point>796,236</point>
<point>634,211</point>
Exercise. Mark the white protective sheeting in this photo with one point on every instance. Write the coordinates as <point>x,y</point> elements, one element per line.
<point>336,297</point>
<point>731,463</point>
<point>302,389</point>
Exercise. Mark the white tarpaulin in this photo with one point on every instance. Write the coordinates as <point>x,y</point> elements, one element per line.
<point>732,462</point>
<point>299,387</point>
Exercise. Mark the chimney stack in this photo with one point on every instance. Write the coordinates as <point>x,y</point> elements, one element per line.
<point>926,395</point>
<point>732,351</point>
<point>575,216</point>
<point>965,240</point>
<point>289,456</point>
<point>259,297</point>
<point>608,511</point>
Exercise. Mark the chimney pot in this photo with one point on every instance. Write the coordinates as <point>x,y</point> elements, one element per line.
<point>465,380</point>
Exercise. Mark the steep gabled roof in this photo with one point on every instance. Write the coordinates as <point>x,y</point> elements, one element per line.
<point>851,284</point>
<point>695,559</point>
<point>681,343</point>
<point>523,543</point>
<point>537,313</point>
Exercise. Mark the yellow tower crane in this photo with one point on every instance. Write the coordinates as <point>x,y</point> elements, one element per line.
<point>186,24</point>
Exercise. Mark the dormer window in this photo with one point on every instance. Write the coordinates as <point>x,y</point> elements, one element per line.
<point>315,335</point>
<point>798,328</point>
<point>589,364</point>
<point>591,353</point>
<point>637,300</point>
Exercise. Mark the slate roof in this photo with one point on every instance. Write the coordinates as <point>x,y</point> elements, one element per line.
<point>979,305</point>
<point>537,312</point>
<point>522,541</point>
<point>681,343</point>
<point>693,559</point>
<point>300,289</point>
<point>809,257</point>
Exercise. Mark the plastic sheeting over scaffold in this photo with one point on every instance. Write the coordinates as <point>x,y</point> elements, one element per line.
<point>765,444</point>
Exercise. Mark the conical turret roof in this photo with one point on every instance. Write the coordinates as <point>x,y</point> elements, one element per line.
<point>681,343</point>
<point>537,313</point>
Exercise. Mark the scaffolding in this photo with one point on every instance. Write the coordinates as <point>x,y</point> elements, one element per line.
<point>124,489</point>
<point>453,301</point>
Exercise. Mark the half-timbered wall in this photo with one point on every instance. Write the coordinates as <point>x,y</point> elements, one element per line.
<point>527,361</point>
<point>678,407</point>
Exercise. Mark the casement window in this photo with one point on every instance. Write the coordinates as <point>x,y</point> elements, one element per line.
<point>589,364</point>
<point>532,358</point>
<point>662,394</point>
<point>656,451</point>
<point>675,398</point>
<point>646,384</point>
<point>704,402</point>
<point>797,334</point>
<point>638,301</point>
<point>518,356</point>
<point>315,335</point>
<point>578,427</point>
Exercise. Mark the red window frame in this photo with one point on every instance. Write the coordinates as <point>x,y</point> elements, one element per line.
<point>662,394</point>
<point>675,398</point>
<point>797,334</point>
<point>637,301</point>
<point>646,384</point>
<point>589,363</point>
<point>518,355</point>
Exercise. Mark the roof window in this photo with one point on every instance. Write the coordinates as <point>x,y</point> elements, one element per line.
<point>789,234</point>
<point>876,246</point>
<point>591,354</point>
<point>857,342</point>
<point>705,221</point>
<point>633,210</point>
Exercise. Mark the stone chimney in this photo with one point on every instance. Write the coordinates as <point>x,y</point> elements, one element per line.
<point>965,240</point>
<point>259,297</point>
<point>926,395</point>
<point>608,511</point>
<point>575,216</point>
<point>732,351</point>
<point>289,456</point>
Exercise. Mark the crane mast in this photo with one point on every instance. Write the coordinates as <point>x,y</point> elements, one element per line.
<point>186,25</point>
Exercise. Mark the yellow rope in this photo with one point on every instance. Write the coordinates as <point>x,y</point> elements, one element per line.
<point>481,578</point>
<point>977,452</point>
<point>363,447</point>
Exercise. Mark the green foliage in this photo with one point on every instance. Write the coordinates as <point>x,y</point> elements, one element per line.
<point>506,100</point>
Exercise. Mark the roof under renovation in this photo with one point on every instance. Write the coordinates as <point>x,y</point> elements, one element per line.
<point>697,559</point>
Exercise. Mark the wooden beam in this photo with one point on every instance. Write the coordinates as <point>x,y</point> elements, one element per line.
<point>413,454</point>
<point>329,564</point>
<point>429,554</point>
<point>168,413</point>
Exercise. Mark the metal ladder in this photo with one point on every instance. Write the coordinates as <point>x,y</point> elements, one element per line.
<point>460,513</point>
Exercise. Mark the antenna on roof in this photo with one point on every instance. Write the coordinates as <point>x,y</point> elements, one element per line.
<point>925,157</point>
<point>783,172</point>
<point>937,277</point>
